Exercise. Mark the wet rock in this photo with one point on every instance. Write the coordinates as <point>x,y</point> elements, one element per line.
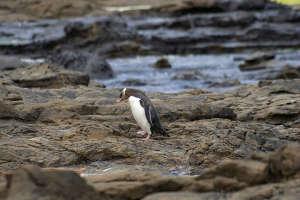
<point>134,82</point>
<point>182,195</point>
<point>47,76</point>
<point>162,63</point>
<point>189,75</point>
<point>98,68</point>
<point>94,83</point>
<point>256,62</point>
<point>222,5</point>
<point>10,62</point>
<point>228,83</point>
<point>31,182</point>
<point>93,65</point>
<point>289,72</point>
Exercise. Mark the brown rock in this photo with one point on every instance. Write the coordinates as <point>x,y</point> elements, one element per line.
<point>47,76</point>
<point>162,63</point>
<point>289,72</point>
<point>257,61</point>
<point>285,162</point>
<point>7,111</point>
<point>247,171</point>
<point>181,195</point>
<point>135,184</point>
<point>32,183</point>
<point>288,190</point>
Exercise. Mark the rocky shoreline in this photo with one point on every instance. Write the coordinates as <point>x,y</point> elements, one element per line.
<point>63,136</point>
<point>70,123</point>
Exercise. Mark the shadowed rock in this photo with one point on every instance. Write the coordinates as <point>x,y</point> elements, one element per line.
<point>33,183</point>
<point>162,63</point>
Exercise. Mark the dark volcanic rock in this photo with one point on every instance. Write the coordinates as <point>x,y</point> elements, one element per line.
<point>162,63</point>
<point>255,62</point>
<point>189,75</point>
<point>134,82</point>
<point>289,72</point>
<point>92,64</point>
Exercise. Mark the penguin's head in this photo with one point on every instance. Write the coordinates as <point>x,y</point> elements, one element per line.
<point>128,92</point>
<point>123,95</point>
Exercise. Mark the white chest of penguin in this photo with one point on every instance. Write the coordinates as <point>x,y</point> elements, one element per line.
<point>138,113</point>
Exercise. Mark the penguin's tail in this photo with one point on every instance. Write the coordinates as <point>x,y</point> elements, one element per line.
<point>161,131</point>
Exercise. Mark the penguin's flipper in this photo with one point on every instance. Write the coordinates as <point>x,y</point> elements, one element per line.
<point>153,118</point>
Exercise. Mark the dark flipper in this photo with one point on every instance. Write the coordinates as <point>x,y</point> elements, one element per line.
<point>153,118</point>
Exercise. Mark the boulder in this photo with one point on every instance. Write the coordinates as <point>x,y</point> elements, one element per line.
<point>285,162</point>
<point>91,64</point>
<point>256,62</point>
<point>33,183</point>
<point>289,72</point>
<point>247,171</point>
<point>162,63</point>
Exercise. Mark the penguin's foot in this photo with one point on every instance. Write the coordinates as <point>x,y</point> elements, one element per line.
<point>147,138</point>
<point>142,133</point>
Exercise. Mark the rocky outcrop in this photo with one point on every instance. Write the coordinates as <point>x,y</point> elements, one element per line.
<point>32,183</point>
<point>93,65</point>
<point>77,125</point>
<point>46,76</point>
<point>231,179</point>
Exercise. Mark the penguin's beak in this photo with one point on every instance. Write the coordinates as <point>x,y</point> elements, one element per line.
<point>120,100</point>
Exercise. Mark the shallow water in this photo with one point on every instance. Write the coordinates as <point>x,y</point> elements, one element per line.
<point>102,167</point>
<point>214,72</point>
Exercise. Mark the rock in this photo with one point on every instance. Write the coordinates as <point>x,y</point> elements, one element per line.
<point>288,190</point>
<point>98,68</point>
<point>30,183</point>
<point>97,84</point>
<point>256,62</point>
<point>228,83</point>
<point>285,162</point>
<point>189,75</point>
<point>136,186</point>
<point>7,111</point>
<point>94,65</point>
<point>37,150</point>
<point>289,72</point>
<point>182,195</point>
<point>250,172</point>
<point>221,6</point>
<point>47,76</point>
<point>134,82</point>
<point>162,63</point>
<point>10,62</point>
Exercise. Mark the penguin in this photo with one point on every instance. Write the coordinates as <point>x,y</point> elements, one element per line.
<point>143,112</point>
